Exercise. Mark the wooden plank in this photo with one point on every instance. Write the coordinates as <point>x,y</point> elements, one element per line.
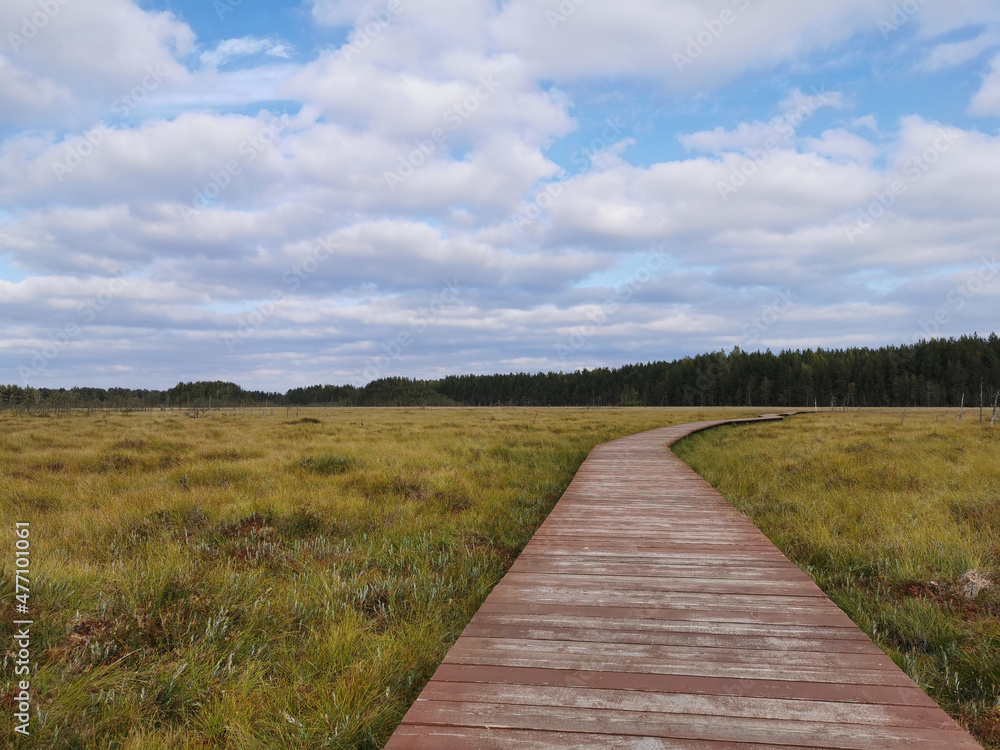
<point>668,654</point>
<point>687,726</point>
<point>908,695</point>
<point>655,564</point>
<point>664,568</point>
<point>687,584</point>
<point>846,638</point>
<point>777,709</point>
<point>707,614</point>
<point>429,737</point>
<point>726,670</point>
<point>693,549</point>
<point>763,594</point>
<point>609,596</point>
<point>534,630</point>
<point>647,612</point>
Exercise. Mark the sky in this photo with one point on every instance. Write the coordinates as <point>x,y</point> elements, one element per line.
<point>334,191</point>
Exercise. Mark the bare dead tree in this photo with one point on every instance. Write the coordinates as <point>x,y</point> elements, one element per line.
<point>980,400</point>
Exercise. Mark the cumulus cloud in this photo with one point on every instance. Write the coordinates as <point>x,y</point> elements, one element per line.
<point>245,46</point>
<point>682,44</point>
<point>746,135</point>
<point>345,12</point>
<point>93,51</point>
<point>843,144</point>
<point>987,99</point>
<point>796,109</point>
<point>466,97</point>
<point>953,54</point>
<point>22,91</point>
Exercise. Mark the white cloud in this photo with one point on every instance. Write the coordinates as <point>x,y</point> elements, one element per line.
<point>230,49</point>
<point>843,144</point>
<point>797,108</point>
<point>746,135</point>
<point>182,153</point>
<point>799,105</point>
<point>633,37</point>
<point>21,91</point>
<point>953,54</point>
<point>937,19</point>
<point>97,50</point>
<point>346,12</point>
<point>987,99</point>
<point>467,96</point>
<point>661,40</point>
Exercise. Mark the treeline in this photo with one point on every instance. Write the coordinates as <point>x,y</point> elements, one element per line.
<point>189,395</point>
<point>221,394</point>
<point>384,392</point>
<point>939,372</point>
<point>930,373</point>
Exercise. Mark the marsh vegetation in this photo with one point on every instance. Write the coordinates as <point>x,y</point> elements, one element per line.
<point>268,581</point>
<point>275,580</point>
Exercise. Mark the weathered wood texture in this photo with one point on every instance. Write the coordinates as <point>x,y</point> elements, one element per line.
<point>648,613</point>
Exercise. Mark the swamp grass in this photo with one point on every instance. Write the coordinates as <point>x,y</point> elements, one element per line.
<point>267,579</point>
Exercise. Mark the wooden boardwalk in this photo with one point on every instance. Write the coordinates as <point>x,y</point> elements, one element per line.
<point>647,613</point>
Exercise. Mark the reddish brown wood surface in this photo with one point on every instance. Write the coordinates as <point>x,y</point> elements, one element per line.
<point>647,613</point>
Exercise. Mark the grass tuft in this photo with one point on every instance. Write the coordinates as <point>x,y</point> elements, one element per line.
<point>328,463</point>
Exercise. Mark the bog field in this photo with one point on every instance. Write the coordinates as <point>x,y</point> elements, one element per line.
<point>288,579</point>
<point>267,579</point>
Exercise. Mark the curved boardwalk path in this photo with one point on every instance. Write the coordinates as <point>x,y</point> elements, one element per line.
<point>648,613</point>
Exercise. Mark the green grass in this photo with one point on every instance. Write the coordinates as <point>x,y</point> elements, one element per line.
<point>267,581</point>
<point>898,520</point>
